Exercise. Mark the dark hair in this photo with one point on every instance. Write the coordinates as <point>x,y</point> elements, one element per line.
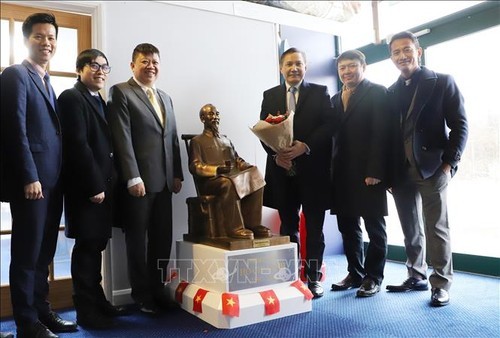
<point>33,19</point>
<point>291,51</point>
<point>404,35</point>
<point>87,56</point>
<point>353,54</point>
<point>144,48</point>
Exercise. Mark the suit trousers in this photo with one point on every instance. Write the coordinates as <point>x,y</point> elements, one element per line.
<point>360,265</point>
<point>422,209</point>
<point>35,227</point>
<point>148,237</point>
<point>314,219</point>
<point>86,263</point>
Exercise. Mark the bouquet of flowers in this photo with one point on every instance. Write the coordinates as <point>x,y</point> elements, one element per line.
<point>276,131</point>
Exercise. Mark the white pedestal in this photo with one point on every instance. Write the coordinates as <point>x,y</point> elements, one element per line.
<point>243,272</point>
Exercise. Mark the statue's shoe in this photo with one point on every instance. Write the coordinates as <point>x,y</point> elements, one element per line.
<point>260,231</point>
<point>241,233</point>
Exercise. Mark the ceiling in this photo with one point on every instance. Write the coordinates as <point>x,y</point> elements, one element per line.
<point>340,11</point>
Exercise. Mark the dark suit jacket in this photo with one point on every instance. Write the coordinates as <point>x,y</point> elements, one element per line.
<point>361,150</point>
<point>31,132</point>
<point>142,147</point>
<point>439,106</point>
<point>88,167</point>
<point>314,125</point>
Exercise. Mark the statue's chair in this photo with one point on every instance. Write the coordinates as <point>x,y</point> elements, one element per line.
<point>202,211</point>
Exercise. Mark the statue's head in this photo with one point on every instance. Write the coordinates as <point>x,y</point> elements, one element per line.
<point>209,116</point>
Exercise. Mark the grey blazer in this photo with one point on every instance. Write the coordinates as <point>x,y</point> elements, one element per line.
<point>143,148</point>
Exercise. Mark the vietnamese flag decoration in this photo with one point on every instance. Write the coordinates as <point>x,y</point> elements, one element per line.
<point>271,302</point>
<point>198,300</point>
<point>230,304</point>
<point>303,288</point>
<point>180,290</point>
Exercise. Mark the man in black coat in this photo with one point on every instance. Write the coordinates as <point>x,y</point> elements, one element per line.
<point>360,169</point>
<point>309,156</point>
<point>431,133</point>
<point>88,172</point>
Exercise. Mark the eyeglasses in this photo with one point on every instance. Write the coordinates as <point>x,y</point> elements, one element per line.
<point>94,66</point>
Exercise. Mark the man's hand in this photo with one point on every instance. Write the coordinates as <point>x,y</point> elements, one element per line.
<point>298,148</point>
<point>372,181</point>
<point>99,198</point>
<point>138,190</point>
<point>282,161</point>
<point>446,168</point>
<point>177,185</point>
<point>33,191</point>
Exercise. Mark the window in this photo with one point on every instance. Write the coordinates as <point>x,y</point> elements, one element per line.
<point>74,36</point>
<point>448,47</point>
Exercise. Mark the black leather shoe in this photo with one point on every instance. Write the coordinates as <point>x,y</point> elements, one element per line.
<point>148,308</point>
<point>368,288</point>
<point>316,289</point>
<point>56,324</point>
<point>410,284</point>
<point>114,311</point>
<point>347,283</point>
<point>439,297</point>
<point>94,320</point>
<point>36,330</point>
<point>260,231</point>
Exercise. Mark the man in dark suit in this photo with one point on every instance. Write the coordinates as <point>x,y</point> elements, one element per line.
<point>309,156</point>
<point>31,141</point>
<point>425,105</point>
<point>88,176</point>
<point>149,164</point>
<point>360,166</point>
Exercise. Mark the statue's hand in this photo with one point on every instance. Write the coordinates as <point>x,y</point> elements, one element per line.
<point>223,169</point>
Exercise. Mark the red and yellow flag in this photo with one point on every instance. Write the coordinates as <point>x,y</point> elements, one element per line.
<point>198,300</point>
<point>180,290</point>
<point>230,305</point>
<point>303,288</point>
<point>271,302</point>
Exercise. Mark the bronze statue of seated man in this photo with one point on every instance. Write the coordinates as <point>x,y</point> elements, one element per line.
<point>238,186</point>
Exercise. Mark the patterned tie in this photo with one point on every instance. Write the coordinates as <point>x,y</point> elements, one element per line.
<point>50,90</point>
<point>346,95</point>
<point>156,106</point>
<point>291,99</point>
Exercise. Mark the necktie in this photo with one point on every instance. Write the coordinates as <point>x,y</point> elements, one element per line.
<point>156,106</point>
<point>291,99</point>
<point>50,91</point>
<point>99,105</point>
<point>346,95</point>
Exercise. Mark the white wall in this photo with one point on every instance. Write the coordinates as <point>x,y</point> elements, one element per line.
<point>206,57</point>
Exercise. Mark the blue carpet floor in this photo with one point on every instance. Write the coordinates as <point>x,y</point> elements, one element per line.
<point>474,311</point>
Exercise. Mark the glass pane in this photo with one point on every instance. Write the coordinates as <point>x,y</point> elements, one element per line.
<point>5,217</point>
<point>382,72</point>
<point>60,83</point>
<point>5,48</point>
<point>473,192</point>
<point>62,257</point>
<point>4,259</point>
<point>20,52</point>
<point>67,50</point>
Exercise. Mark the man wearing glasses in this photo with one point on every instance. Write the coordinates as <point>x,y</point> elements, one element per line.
<point>89,176</point>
